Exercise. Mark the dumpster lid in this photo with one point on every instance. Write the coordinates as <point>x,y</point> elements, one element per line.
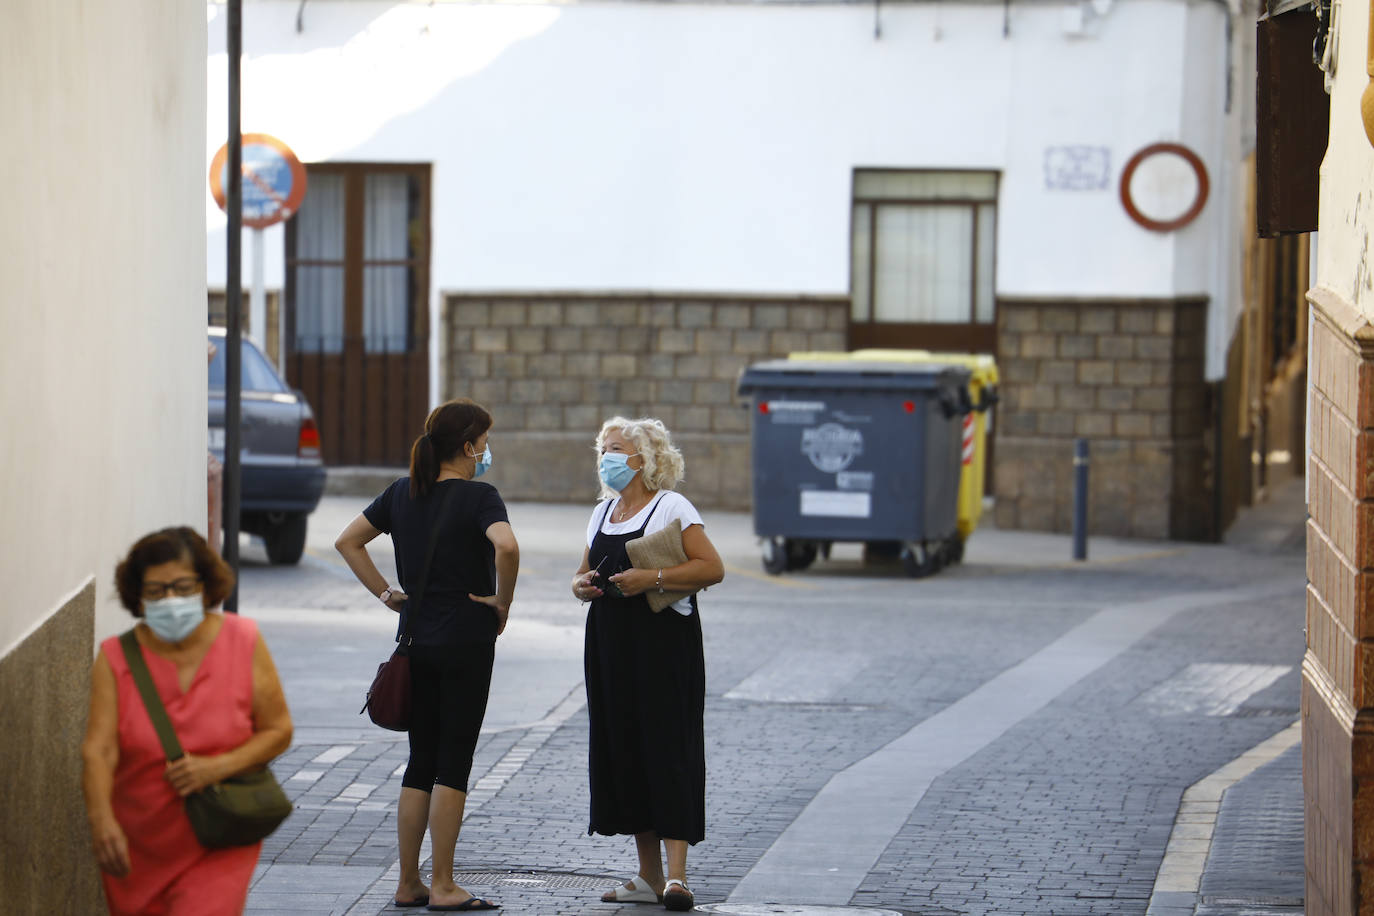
<point>850,375</point>
<point>983,366</point>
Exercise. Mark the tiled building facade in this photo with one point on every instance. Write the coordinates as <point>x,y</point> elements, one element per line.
<point>1338,668</point>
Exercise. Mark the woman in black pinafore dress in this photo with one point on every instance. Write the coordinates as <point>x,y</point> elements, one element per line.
<point>645,671</point>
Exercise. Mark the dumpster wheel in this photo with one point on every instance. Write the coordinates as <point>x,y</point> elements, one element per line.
<point>774,556</point>
<point>784,554</point>
<point>920,561</point>
<point>800,554</point>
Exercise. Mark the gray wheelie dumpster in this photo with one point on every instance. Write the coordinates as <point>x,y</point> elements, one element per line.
<point>856,451</point>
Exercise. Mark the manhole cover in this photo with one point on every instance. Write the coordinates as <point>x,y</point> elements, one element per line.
<point>790,909</point>
<point>532,879</point>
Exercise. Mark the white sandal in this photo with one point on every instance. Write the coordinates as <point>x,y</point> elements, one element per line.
<point>636,890</point>
<point>678,900</point>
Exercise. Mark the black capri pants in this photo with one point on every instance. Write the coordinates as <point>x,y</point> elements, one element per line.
<point>449,687</point>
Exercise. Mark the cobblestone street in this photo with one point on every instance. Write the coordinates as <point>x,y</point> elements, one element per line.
<point>1013,735</point>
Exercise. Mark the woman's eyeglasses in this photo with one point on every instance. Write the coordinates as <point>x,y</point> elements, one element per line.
<point>180,587</point>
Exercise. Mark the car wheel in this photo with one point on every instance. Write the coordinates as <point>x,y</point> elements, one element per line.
<point>285,541</point>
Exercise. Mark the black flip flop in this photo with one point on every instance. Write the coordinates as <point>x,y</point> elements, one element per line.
<point>418,901</point>
<point>472,904</point>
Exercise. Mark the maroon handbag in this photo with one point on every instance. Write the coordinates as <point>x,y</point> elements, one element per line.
<point>388,699</point>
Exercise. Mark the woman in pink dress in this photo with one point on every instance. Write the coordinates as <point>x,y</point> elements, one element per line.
<point>222,694</point>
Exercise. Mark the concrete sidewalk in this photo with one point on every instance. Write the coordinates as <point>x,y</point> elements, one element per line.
<point>337,853</point>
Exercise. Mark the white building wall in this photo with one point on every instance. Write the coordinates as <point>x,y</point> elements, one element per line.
<point>1202,126</point>
<point>1117,85</point>
<point>1347,205</point>
<point>1209,248</point>
<point>711,147</point>
<point>1232,186</point>
<point>102,288</point>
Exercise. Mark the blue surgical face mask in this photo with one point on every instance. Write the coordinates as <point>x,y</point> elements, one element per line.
<point>615,470</point>
<point>483,463</point>
<point>173,618</point>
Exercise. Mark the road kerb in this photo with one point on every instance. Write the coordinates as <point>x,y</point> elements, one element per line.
<point>1185,858</point>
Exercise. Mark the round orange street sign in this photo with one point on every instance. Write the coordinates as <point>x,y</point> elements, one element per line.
<point>273,180</point>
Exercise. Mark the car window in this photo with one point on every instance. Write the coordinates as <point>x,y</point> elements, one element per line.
<point>258,374</point>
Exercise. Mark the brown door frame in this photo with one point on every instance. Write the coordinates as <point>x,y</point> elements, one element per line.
<point>368,405</point>
<point>971,336</point>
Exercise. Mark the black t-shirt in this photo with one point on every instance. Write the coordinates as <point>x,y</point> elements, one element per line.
<point>464,560</point>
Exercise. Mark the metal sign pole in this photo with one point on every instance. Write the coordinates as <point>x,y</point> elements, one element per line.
<point>233,333</point>
<point>257,297</point>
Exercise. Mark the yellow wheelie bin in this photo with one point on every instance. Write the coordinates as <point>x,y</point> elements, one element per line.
<point>982,389</point>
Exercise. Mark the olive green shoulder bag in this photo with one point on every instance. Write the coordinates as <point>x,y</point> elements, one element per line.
<point>239,811</point>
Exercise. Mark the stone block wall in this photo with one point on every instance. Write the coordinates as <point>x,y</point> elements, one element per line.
<point>1128,377</point>
<point>45,838</point>
<point>552,367</point>
<point>1338,670</point>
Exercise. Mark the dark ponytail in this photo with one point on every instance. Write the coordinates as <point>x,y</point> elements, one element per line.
<point>450,426</point>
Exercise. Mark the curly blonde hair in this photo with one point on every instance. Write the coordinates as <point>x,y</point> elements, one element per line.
<point>663,465</point>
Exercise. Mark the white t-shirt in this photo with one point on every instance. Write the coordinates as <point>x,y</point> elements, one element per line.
<point>670,505</point>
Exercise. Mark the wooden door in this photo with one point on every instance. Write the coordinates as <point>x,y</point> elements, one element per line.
<point>357,316</point>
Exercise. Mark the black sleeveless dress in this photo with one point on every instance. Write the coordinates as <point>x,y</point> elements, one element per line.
<point>646,699</point>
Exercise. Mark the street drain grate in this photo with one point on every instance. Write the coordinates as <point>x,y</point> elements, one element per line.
<point>1252,901</point>
<point>533,879</point>
<point>1256,712</point>
<point>551,879</point>
<point>791,909</point>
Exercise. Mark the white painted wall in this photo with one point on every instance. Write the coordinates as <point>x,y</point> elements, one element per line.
<point>102,289</point>
<point>1347,198</point>
<point>711,147</point>
<point>1118,86</point>
<point>1232,188</point>
<point>1208,250</point>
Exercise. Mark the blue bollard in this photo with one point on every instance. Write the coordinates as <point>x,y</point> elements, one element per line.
<point>1080,499</point>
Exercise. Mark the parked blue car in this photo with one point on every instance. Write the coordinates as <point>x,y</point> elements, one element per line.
<point>282,474</point>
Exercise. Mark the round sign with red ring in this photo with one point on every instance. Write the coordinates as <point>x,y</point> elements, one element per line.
<point>273,180</point>
<point>1165,151</point>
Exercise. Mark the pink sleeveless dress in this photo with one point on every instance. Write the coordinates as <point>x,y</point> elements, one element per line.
<point>171,873</point>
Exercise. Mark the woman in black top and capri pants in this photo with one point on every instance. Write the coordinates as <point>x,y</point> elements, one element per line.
<point>454,629</point>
